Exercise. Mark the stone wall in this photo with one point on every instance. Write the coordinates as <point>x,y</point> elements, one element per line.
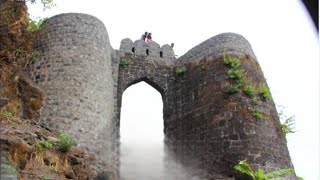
<point>212,48</point>
<point>155,71</point>
<point>140,48</point>
<point>206,128</point>
<point>75,73</point>
<point>214,129</point>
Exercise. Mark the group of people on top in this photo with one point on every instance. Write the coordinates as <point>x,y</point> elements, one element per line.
<point>146,37</point>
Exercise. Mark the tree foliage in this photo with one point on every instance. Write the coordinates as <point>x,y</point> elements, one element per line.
<point>47,4</point>
<point>245,168</point>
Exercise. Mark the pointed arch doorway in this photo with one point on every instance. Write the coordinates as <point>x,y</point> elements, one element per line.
<point>141,133</point>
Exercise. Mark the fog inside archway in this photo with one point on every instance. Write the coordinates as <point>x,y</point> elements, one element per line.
<point>142,152</point>
<point>141,133</point>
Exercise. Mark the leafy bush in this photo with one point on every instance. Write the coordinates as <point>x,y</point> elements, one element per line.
<point>245,168</point>
<point>264,91</point>
<point>249,90</point>
<point>181,70</point>
<point>64,143</point>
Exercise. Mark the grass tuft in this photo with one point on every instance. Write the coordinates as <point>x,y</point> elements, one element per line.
<point>264,92</point>
<point>65,143</point>
<point>258,114</point>
<point>249,90</point>
<point>181,70</point>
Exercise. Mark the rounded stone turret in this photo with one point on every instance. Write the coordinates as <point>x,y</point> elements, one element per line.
<point>126,47</point>
<point>74,71</point>
<point>167,52</point>
<point>215,46</point>
<point>218,121</point>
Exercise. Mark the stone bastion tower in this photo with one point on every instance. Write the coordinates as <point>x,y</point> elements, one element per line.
<point>211,120</point>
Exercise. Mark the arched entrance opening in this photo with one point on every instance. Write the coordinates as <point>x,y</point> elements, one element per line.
<point>141,133</point>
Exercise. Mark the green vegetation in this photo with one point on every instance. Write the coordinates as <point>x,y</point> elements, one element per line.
<point>233,88</point>
<point>35,24</point>
<point>287,123</point>
<point>239,75</point>
<point>36,55</point>
<point>6,113</point>
<point>8,169</point>
<point>249,90</point>
<point>47,4</point>
<point>181,70</point>
<point>235,73</point>
<point>41,145</point>
<point>245,168</point>
<point>125,62</point>
<point>64,143</point>
<point>256,101</point>
<point>258,114</point>
<point>240,81</point>
<point>264,91</point>
<point>17,35</point>
<point>45,178</point>
<point>231,62</point>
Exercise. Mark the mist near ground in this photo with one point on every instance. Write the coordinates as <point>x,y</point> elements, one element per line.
<point>143,155</point>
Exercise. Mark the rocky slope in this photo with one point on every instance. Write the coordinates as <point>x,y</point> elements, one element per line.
<point>23,157</point>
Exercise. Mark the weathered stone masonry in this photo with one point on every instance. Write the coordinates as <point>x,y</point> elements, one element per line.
<point>206,128</point>
<point>75,73</point>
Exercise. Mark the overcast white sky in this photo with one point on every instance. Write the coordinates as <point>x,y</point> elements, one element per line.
<point>280,32</point>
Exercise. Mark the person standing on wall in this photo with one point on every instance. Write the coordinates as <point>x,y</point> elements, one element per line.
<point>149,39</point>
<point>144,36</point>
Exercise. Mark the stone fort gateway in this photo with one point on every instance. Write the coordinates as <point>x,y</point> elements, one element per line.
<point>210,121</point>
